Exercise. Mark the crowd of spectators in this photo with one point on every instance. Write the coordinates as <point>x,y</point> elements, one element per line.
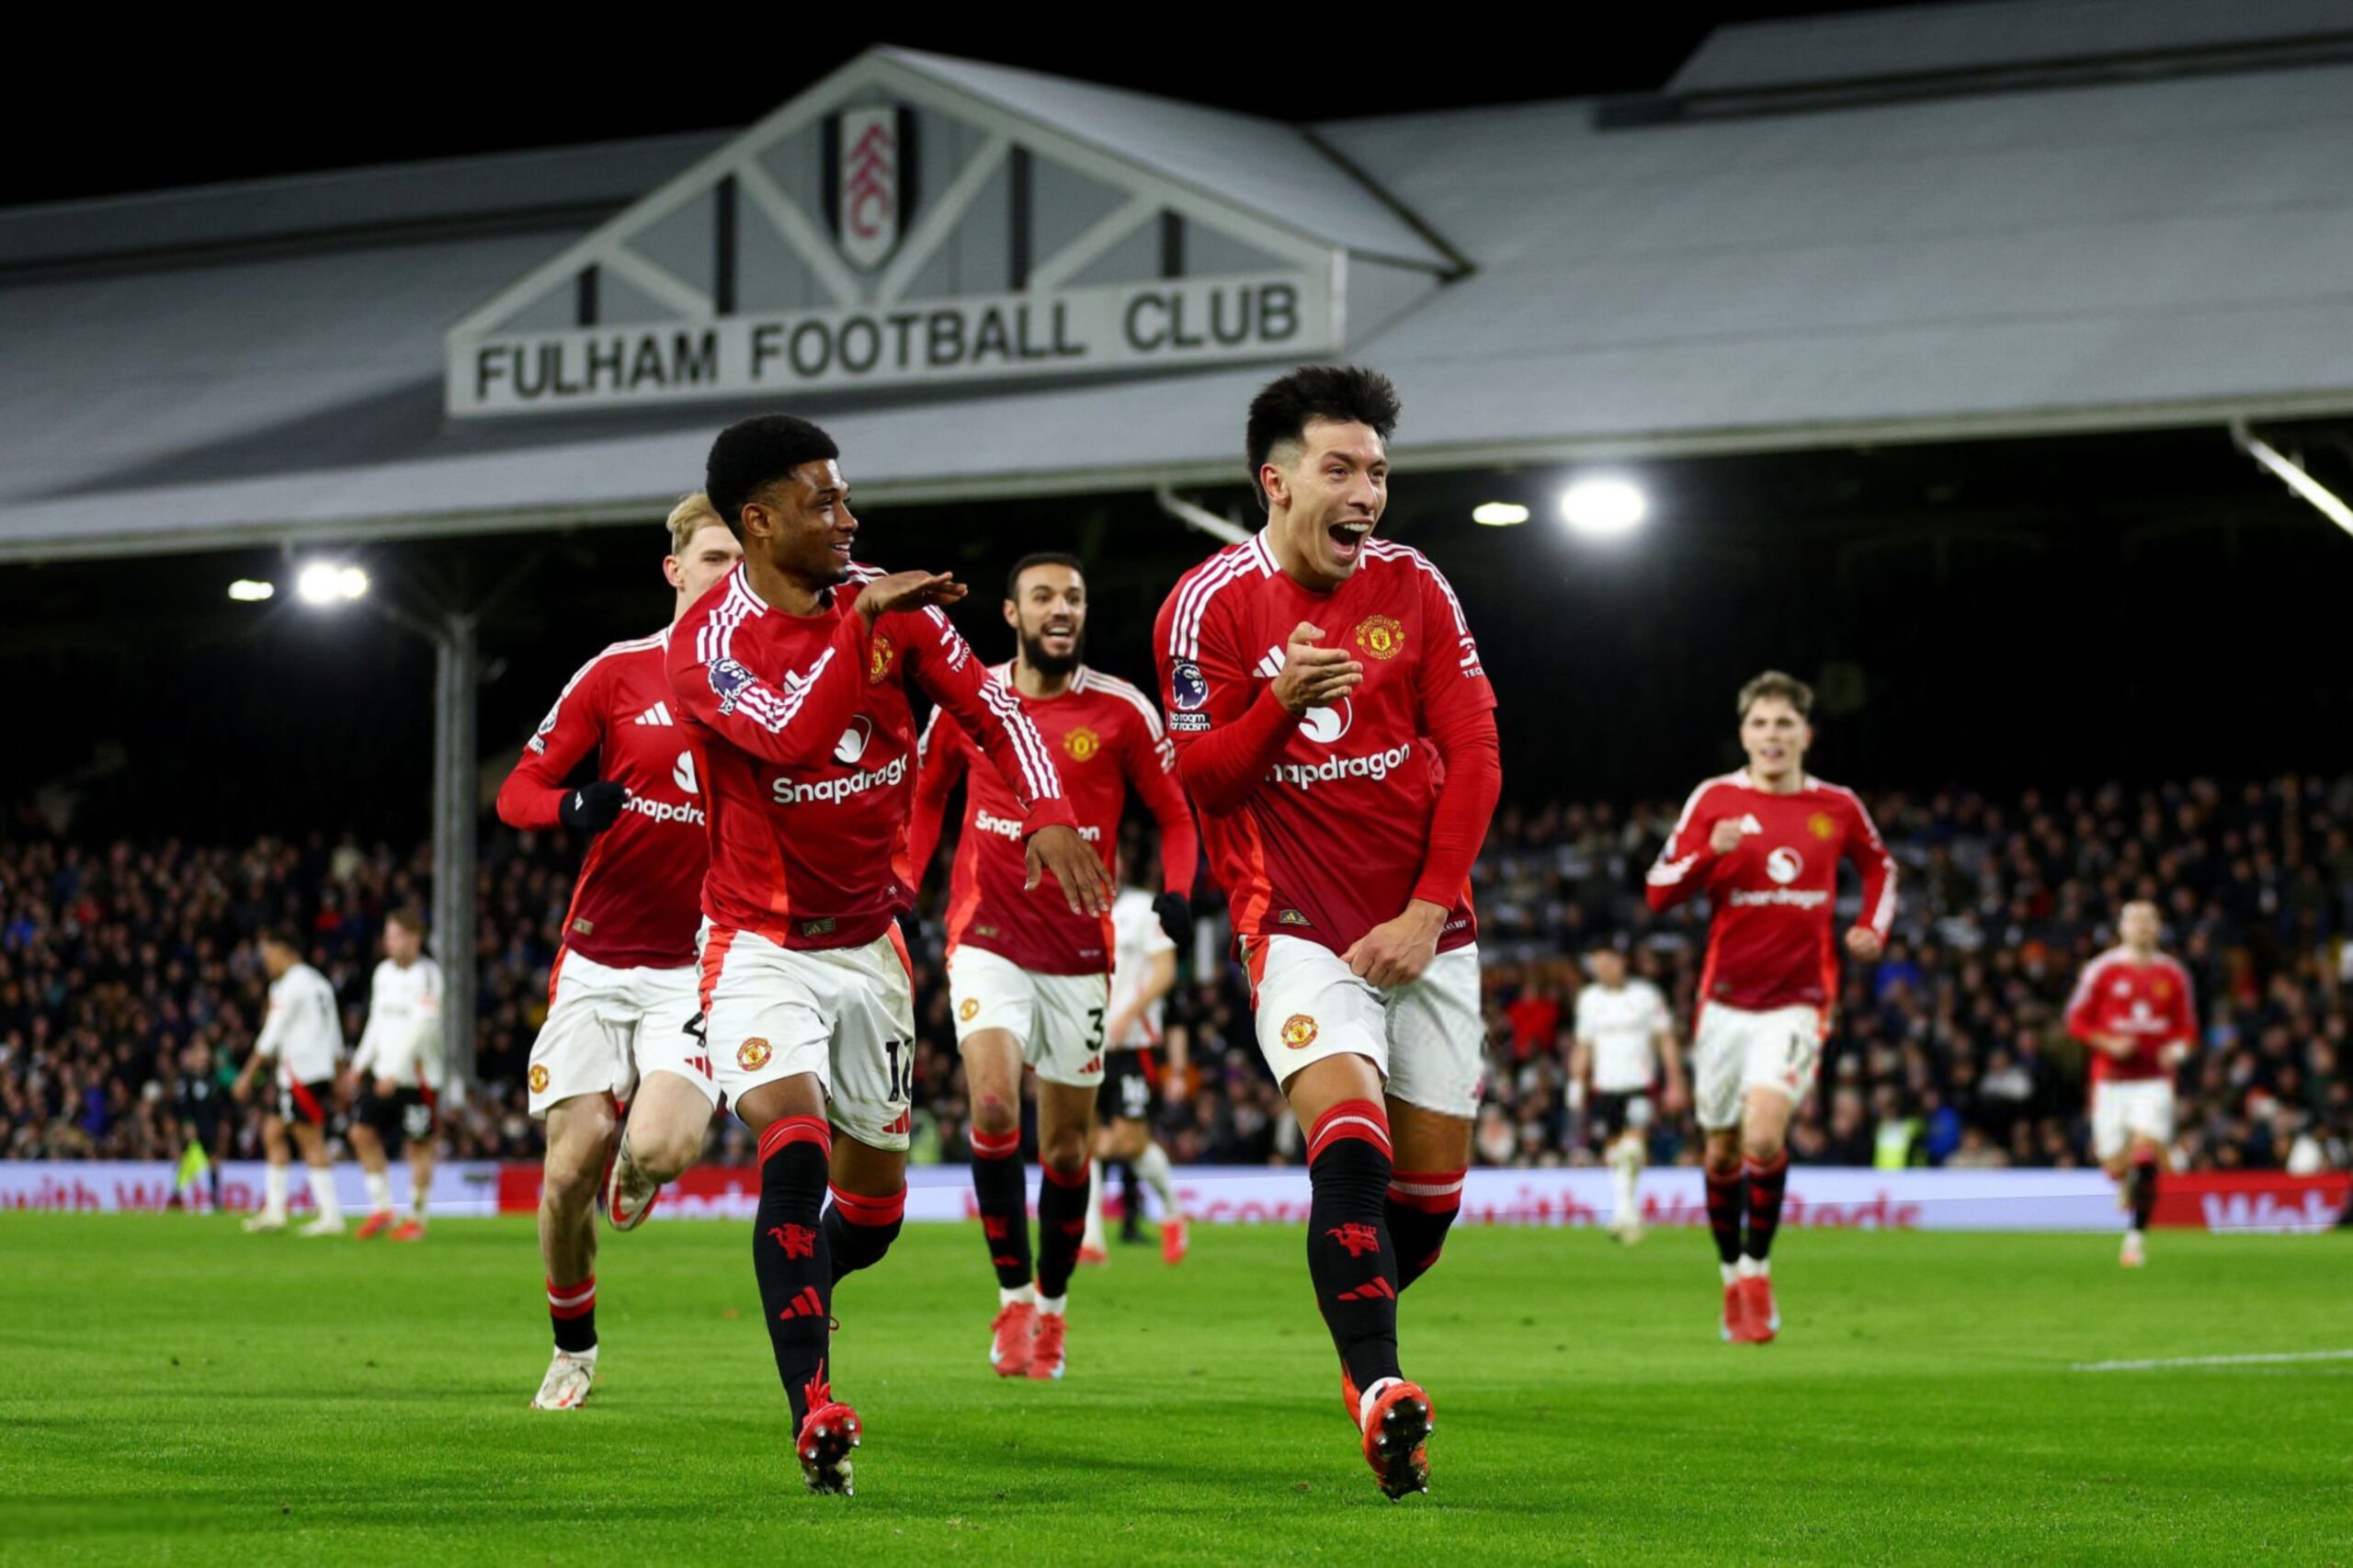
<point>127,969</point>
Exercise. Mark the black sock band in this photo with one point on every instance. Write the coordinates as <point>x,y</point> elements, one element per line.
<point>790,1256</point>
<point>860,1230</point>
<point>2144,1195</point>
<point>1000,1190</point>
<point>571,1309</point>
<point>1767,1185</point>
<point>1062,1225</point>
<point>1725,1195</point>
<point>1349,1255</point>
<point>1421,1208</point>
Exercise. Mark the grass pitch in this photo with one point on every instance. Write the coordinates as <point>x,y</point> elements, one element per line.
<point>174,1390</point>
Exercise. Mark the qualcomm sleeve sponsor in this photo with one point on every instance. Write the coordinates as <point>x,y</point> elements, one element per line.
<point>1378,766</point>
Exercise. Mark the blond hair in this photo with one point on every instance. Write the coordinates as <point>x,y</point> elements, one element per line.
<point>1773,683</point>
<point>690,518</point>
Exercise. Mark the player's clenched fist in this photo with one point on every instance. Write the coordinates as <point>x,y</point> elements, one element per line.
<point>1726,837</point>
<point>1059,852</point>
<point>1314,677</point>
<point>907,590</point>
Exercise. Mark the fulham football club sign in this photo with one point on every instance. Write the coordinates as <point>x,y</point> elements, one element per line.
<point>895,227</point>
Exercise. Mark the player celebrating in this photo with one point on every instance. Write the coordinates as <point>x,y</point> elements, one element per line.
<point>1625,1044</point>
<point>1142,974</point>
<point>1027,977</point>
<point>623,1021</point>
<point>1319,680</point>
<point>1766,843</point>
<point>396,1073</point>
<point>301,1042</point>
<point>2133,1007</point>
<point>793,675</point>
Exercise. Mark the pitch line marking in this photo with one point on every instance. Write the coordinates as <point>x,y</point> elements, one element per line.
<point>2213,1361</point>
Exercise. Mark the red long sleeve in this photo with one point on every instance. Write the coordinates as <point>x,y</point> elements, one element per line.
<point>942,768</point>
<point>533,794</point>
<point>1468,744</point>
<point>1222,768</point>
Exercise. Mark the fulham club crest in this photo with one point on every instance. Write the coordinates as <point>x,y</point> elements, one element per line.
<point>870,190</point>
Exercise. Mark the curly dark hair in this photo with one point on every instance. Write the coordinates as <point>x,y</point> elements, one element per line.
<point>752,454</point>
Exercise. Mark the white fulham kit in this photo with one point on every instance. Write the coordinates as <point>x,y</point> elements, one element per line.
<point>303,1033</point>
<point>1623,1027</point>
<point>1137,939</point>
<point>403,1040</point>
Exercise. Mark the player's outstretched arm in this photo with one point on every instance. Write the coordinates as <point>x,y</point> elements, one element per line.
<point>1151,767</point>
<point>942,762</point>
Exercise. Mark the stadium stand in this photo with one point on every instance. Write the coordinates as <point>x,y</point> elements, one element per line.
<point>125,966</point>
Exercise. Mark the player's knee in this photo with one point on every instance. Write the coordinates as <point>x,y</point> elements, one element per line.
<point>664,1153</point>
<point>1722,1159</point>
<point>1065,1154</point>
<point>1760,1148</point>
<point>566,1194</point>
<point>995,1115</point>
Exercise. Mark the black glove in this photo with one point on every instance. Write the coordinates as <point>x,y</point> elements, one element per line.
<point>1175,916</point>
<point>593,808</point>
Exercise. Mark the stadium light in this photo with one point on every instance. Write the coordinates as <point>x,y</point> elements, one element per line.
<point>1604,506</point>
<point>2290,472</point>
<point>247,590</point>
<point>324,582</point>
<point>1499,514</point>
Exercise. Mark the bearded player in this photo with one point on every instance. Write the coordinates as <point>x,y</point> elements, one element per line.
<point>2133,1007</point>
<point>1030,979</point>
<point>1336,730</point>
<point>1765,845</point>
<point>623,1024</point>
<point>792,675</point>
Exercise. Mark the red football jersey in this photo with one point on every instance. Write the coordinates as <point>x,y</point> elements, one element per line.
<point>1106,739</point>
<point>640,886</point>
<point>808,742</point>
<point>2149,1003</point>
<point>1331,842</point>
<point>1772,936</point>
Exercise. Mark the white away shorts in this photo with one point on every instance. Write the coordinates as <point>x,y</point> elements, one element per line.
<point>1427,1040</point>
<point>1736,1050</point>
<point>608,1028</point>
<point>846,1014</point>
<point>1058,1018</point>
<point>2127,1108</point>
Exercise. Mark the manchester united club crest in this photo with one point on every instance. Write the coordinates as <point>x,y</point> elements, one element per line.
<point>538,1077</point>
<point>1821,826</point>
<point>869,184</point>
<point>968,1009</point>
<point>1379,636</point>
<point>878,666</point>
<point>1298,1031</point>
<point>753,1054</point>
<point>1081,743</point>
<point>2162,990</point>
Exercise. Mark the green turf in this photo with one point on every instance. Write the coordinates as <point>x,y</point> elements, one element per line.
<point>174,1390</point>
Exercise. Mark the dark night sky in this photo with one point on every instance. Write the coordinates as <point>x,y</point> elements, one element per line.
<point>170,115</point>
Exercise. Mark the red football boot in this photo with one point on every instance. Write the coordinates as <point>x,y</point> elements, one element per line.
<point>1761,1319</point>
<point>374,1225</point>
<point>1351,1398</point>
<point>828,1433</point>
<point>1173,1240</point>
<point>1016,1332</point>
<point>1734,1326</point>
<point>407,1231</point>
<point>1046,1350</point>
<point>1396,1439</point>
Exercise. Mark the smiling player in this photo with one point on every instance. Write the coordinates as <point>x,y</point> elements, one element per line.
<point>1335,729</point>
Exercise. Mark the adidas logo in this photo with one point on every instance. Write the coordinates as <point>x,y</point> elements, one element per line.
<point>1272,665</point>
<point>805,1305</point>
<point>1373,1289</point>
<point>657,714</point>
